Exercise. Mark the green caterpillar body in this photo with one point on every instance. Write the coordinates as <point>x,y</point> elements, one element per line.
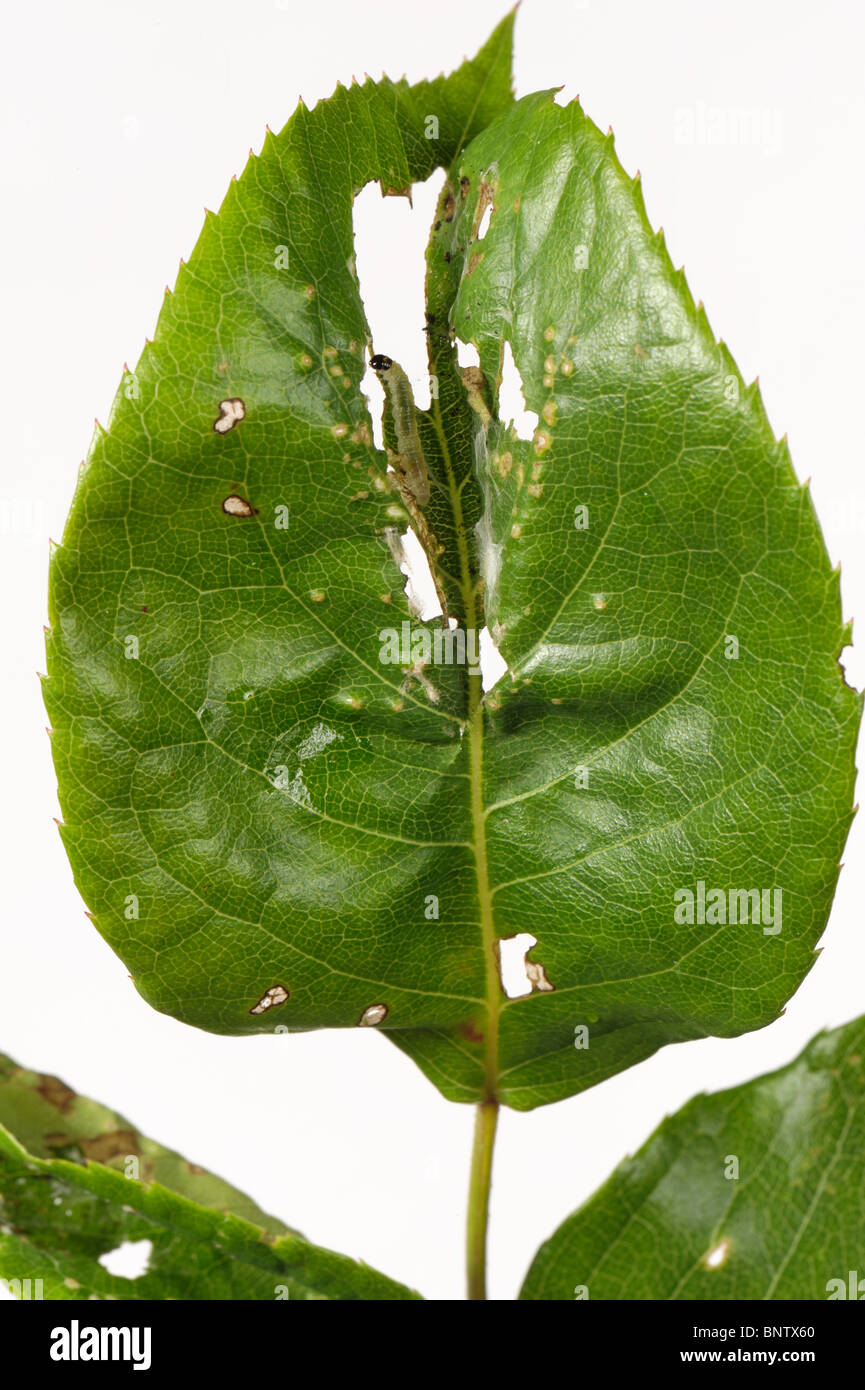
<point>402,409</point>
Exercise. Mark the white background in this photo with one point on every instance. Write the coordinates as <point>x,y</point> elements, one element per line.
<point>121,122</point>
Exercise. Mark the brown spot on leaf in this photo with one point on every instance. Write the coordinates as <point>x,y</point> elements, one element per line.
<point>103,1147</point>
<point>56,1092</point>
<point>470,1032</point>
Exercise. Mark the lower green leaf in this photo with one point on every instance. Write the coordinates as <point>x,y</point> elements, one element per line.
<point>752,1193</point>
<point>77,1180</point>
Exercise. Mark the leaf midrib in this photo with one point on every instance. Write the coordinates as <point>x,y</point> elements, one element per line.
<point>470,592</point>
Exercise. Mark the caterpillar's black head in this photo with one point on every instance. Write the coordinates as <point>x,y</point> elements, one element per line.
<point>380,363</point>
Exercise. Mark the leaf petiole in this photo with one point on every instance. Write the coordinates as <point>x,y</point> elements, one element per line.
<point>486,1121</point>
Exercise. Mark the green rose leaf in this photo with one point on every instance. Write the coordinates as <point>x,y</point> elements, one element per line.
<point>277,824</point>
<point>69,1194</point>
<point>751,1193</point>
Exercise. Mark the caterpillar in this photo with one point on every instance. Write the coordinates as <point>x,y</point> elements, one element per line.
<point>414,480</point>
<point>408,446</point>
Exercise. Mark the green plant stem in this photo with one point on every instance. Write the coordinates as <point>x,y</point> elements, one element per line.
<point>487,1114</point>
<point>486,1120</point>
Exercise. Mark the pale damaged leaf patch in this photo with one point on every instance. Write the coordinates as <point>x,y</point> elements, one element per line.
<point>373,1016</point>
<point>230,413</point>
<point>271,997</point>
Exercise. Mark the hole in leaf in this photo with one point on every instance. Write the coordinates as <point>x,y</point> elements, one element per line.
<point>512,963</point>
<point>512,399</point>
<point>493,665</point>
<point>420,588</point>
<point>467,354</point>
<point>519,975</point>
<point>390,237</point>
<point>129,1260</point>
